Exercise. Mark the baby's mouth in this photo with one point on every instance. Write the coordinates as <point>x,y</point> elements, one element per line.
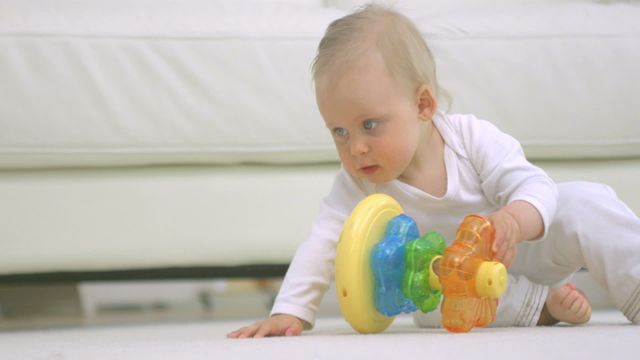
<point>370,169</point>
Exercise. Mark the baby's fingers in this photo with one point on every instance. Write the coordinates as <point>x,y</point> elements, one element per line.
<point>505,253</point>
<point>499,248</point>
<point>245,332</point>
<point>276,330</point>
<point>234,334</point>
<point>266,330</point>
<point>500,243</point>
<point>293,330</point>
<point>509,255</point>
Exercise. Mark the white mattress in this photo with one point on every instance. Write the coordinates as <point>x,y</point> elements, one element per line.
<point>221,81</point>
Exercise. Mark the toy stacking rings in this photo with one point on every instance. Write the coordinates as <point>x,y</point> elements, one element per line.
<point>384,268</point>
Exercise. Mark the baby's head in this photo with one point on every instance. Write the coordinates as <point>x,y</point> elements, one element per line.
<point>376,28</point>
<point>376,89</point>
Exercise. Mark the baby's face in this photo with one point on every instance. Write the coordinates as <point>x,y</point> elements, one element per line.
<point>373,120</point>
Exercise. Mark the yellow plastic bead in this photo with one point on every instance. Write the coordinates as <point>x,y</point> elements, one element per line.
<point>434,281</point>
<point>491,279</point>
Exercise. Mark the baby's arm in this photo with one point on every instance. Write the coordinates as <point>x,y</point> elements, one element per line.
<point>312,268</point>
<point>525,194</point>
<point>518,221</point>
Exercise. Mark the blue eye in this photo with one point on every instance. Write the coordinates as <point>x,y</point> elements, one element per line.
<point>370,124</point>
<point>340,132</point>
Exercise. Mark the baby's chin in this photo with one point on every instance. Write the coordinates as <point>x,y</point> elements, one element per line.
<point>375,179</point>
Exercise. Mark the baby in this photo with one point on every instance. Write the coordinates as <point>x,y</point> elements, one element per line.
<point>377,91</point>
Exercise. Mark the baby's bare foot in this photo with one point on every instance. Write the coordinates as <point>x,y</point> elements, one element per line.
<point>567,304</point>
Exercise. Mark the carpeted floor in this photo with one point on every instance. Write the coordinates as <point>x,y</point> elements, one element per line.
<point>608,336</point>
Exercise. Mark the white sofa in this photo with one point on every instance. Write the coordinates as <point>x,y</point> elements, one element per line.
<point>159,138</point>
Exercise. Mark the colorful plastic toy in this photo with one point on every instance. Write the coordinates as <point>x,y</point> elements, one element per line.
<point>383,268</point>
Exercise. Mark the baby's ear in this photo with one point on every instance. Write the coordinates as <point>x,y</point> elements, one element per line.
<point>426,102</point>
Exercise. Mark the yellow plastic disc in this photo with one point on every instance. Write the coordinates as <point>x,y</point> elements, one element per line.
<point>363,229</point>
<point>491,279</point>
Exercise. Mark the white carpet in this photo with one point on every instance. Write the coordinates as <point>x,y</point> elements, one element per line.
<point>608,336</point>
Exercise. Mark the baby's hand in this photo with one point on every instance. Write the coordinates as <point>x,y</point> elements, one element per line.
<point>277,325</point>
<point>507,236</point>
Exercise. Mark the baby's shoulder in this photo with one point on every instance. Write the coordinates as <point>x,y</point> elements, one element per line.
<point>465,125</point>
<point>467,134</point>
<point>459,129</point>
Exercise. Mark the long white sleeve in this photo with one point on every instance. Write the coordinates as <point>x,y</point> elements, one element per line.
<point>312,268</point>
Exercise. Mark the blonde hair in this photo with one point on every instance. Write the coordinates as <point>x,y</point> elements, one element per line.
<point>374,26</point>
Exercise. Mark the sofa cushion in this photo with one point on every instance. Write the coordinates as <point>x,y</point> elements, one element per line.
<point>157,82</point>
<point>112,83</point>
<point>561,78</point>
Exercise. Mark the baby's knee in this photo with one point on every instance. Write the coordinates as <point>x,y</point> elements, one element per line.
<point>573,190</point>
<point>581,197</point>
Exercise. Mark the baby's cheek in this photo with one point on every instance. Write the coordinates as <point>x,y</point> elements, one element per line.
<point>350,167</point>
<point>343,159</point>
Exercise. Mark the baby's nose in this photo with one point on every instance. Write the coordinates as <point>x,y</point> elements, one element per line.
<point>359,147</point>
